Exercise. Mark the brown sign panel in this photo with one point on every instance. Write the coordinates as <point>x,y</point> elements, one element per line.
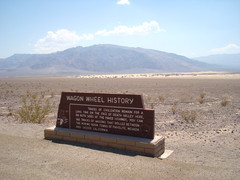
<point>122,114</point>
<point>123,121</point>
<point>120,100</point>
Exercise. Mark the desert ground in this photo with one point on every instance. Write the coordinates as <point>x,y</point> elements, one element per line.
<point>197,113</point>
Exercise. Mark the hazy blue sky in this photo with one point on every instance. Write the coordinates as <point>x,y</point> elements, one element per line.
<point>187,27</point>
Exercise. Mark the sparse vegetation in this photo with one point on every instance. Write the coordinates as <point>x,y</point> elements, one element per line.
<point>224,102</point>
<point>174,109</point>
<point>149,98</point>
<point>33,109</point>
<point>201,101</point>
<point>10,112</point>
<point>202,96</point>
<point>161,98</point>
<point>175,103</point>
<point>52,94</point>
<point>189,116</point>
<point>8,91</point>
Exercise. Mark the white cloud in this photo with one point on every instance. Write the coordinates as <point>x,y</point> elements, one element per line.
<point>229,49</point>
<point>145,28</point>
<point>123,2</point>
<point>63,38</point>
<point>59,40</point>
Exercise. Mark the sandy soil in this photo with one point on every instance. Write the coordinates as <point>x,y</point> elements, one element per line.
<point>207,148</point>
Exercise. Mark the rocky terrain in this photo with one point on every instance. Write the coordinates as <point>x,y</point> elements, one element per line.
<point>198,115</point>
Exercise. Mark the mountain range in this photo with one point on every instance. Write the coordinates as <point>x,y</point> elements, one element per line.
<point>229,62</point>
<point>99,59</point>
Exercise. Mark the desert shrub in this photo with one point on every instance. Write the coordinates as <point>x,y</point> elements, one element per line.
<point>189,116</point>
<point>202,95</point>
<point>34,108</point>
<point>10,112</point>
<point>175,103</point>
<point>149,98</point>
<point>161,98</point>
<point>201,101</point>
<point>8,91</point>
<point>224,102</point>
<point>152,106</point>
<point>174,109</point>
<point>52,94</point>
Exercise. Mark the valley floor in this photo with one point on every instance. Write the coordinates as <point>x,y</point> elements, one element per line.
<point>199,117</point>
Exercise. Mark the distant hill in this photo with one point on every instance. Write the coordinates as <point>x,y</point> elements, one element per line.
<point>98,59</point>
<point>226,61</point>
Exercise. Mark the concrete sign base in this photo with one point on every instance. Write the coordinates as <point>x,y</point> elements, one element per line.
<point>151,147</point>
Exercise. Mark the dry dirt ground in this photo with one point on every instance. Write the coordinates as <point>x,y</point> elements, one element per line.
<point>189,111</point>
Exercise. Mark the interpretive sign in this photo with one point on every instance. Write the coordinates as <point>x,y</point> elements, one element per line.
<point>122,100</point>
<point>108,113</point>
